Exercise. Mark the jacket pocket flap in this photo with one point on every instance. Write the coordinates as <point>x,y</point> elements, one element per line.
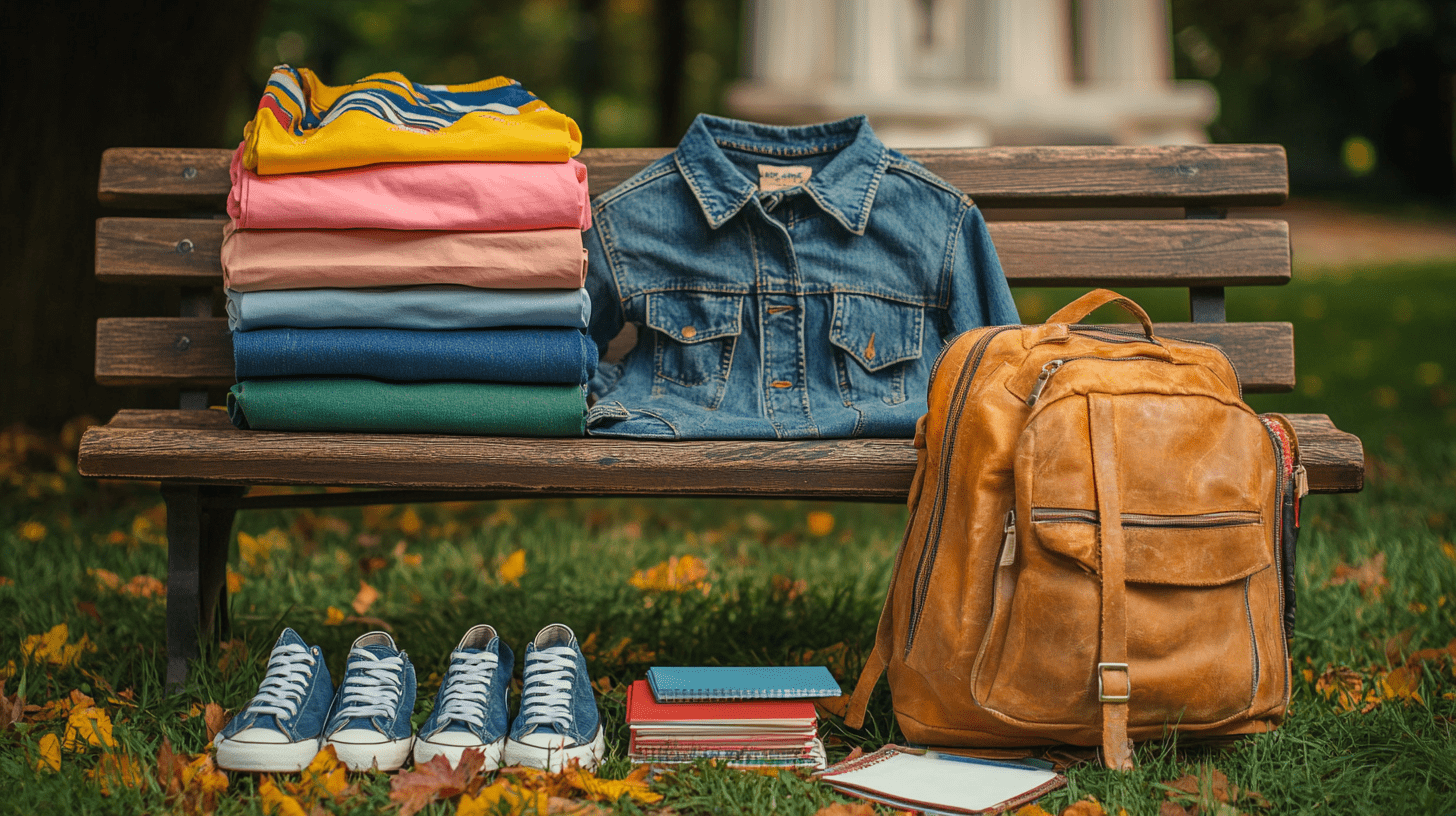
<point>876,332</point>
<point>693,317</point>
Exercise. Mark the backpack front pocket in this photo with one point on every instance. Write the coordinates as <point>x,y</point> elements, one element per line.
<point>1195,535</point>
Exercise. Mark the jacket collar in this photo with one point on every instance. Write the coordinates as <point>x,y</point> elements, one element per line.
<point>844,188</point>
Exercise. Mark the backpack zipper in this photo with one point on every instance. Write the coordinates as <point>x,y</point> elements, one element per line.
<point>947,442</point>
<point>1220,518</point>
<point>1053,366</point>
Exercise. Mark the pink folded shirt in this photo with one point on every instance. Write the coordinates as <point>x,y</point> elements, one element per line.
<point>423,196</point>
<point>259,260</point>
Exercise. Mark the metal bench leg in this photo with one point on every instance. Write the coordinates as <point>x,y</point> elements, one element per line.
<point>199,532</point>
<point>219,510</point>
<point>184,578</point>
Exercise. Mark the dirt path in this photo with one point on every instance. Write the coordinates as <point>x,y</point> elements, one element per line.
<point>1329,236</point>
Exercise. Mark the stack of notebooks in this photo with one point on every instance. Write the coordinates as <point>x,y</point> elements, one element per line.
<point>746,717</point>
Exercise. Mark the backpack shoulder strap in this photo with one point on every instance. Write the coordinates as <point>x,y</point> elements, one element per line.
<point>874,667</point>
<point>1114,683</point>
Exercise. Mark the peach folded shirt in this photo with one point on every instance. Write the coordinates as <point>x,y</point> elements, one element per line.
<point>415,196</point>
<point>260,260</point>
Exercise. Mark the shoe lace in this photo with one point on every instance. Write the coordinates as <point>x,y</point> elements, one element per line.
<point>289,669</point>
<point>546,698</point>
<point>376,686</point>
<point>467,684</point>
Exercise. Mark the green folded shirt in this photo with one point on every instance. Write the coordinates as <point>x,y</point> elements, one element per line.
<point>341,404</point>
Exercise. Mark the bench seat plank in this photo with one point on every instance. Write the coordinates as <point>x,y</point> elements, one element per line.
<point>1079,176</point>
<point>1238,252</point>
<point>198,351</point>
<point>203,447</point>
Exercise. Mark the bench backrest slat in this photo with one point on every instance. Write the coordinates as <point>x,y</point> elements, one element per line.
<point>1195,252</point>
<point>1165,176</point>
<point>191,351</point>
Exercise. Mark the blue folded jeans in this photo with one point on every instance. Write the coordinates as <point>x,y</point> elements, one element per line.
<point>505,355</point>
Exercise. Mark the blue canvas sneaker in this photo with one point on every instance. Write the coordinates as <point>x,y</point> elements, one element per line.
<point>558,720</point>
<point>370,725</point>
<point>280,729</point>
<point>470,709</point>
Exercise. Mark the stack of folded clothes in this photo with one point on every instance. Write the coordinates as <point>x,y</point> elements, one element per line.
<point>407,257</point>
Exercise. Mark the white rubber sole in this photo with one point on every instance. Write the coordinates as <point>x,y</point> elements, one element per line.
<point>386,756</point>
<point>553,759</point>
<point>265,757</point>
<point>426,751</point>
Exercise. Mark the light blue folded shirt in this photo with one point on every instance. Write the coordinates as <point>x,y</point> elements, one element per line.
<point>408,307</point>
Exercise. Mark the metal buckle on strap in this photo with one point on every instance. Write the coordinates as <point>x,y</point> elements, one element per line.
<point>1102,696</point>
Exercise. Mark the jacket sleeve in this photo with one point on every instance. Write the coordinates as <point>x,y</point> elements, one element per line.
<point>601,285</point>
<point>979,294</point>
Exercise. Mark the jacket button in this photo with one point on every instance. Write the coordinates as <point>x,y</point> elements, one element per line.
<point>689,332</point>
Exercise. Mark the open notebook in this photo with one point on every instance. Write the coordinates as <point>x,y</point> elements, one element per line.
<point>934,783</point>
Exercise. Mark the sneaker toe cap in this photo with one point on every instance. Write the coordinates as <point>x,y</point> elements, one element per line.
<point>545,739</point>
<point>360,736</point>
<point>261,736</point>
<point>454,738</point>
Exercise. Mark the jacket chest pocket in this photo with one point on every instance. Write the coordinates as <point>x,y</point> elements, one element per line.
<point>878,340</point>
<point>694,334</point>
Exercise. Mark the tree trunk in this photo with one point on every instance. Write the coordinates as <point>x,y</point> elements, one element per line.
<point>82,77</point>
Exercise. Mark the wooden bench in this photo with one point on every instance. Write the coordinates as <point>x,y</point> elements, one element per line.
<point>206,466</point>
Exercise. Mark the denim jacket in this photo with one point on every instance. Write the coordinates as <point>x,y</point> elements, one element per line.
<point>788,282</point>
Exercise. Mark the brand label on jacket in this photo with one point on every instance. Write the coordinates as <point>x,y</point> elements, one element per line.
<point>775,177</point>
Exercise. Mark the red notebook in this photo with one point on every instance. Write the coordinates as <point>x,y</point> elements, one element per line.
<point>642,707</point>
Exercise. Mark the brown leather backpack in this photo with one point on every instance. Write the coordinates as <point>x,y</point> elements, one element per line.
<point>1095,549</point>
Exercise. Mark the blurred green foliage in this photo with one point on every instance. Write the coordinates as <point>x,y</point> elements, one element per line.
<point>595,60</point>
<point>1358,91</point>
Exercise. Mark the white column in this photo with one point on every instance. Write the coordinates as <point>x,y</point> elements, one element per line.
<point>1033,47</point>
<point>789,38</point>
<point>1127,43</point>
<point>873,45</point>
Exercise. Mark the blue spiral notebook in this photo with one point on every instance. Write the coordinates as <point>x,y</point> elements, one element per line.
<point>683,684</point>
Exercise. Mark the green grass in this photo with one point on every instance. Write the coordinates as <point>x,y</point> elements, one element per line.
<point>1374,353</point>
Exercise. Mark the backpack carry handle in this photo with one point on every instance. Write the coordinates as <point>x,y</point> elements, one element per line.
<point>1077,310</point>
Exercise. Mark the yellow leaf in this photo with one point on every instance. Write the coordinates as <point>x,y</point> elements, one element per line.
<point>324,778</point>
<point>673,575</point>
<point>234,581</point>
<point>50,753</point>
<point>511,569</point>
<point>276,802</point>
<point>88,725</point>
<point>335,616</point>
<point>365,598</point>
<point>144,586</point>
<point>610,790</point>
<point>410,523</point>
<point>1403,683</point>
<point>52,647</point>
<point>256,549</point>
<point>116,769</point>
<point>821,523</point>
<point>32,531</point>
<point>202,774</point>
<point>517,800</point>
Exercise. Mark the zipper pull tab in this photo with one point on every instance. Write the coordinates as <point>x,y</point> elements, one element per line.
<point>1008,541</point>
<point>1041,380</point>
